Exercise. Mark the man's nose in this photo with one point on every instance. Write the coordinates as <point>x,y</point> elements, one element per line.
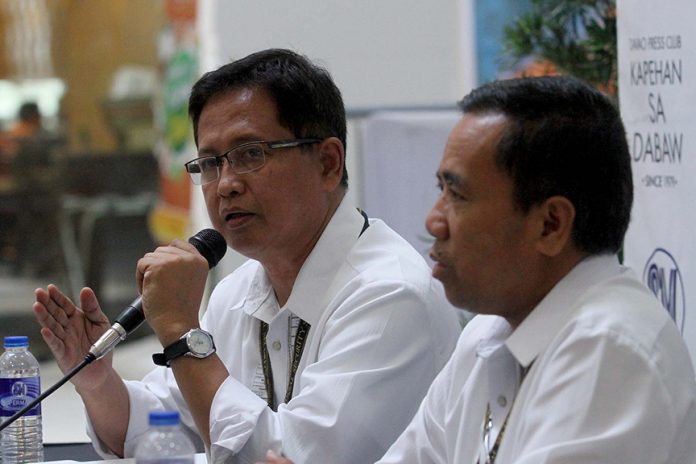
<point>436,222</point>
<point>230,183</point>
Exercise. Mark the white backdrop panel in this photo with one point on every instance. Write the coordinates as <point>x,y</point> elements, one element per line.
<point>401,154</point>
<point>657,54</point>
<point>381,53</point>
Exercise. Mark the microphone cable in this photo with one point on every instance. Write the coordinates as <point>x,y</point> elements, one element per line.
<point>88,360</point>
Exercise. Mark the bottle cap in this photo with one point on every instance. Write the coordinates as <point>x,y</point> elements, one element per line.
<point>164,418</point>
<point>17,341</point>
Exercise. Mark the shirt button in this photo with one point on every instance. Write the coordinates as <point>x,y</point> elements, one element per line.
<point>277,345</point>
<point>502,401</point>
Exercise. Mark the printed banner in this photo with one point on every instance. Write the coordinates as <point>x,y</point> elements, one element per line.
<point>657,95</point>
<point>170,219</point>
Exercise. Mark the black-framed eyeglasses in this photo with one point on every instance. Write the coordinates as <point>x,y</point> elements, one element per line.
<point>243,158</point>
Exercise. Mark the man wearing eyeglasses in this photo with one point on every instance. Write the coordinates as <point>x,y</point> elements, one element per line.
<point>325,340</point>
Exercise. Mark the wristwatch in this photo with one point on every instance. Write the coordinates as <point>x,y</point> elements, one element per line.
<point>196,343</point>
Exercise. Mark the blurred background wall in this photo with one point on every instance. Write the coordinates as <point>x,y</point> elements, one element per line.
<point>83,44</point>
<point>76,195</point>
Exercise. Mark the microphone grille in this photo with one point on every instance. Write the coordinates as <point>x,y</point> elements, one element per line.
<point>211,244</point>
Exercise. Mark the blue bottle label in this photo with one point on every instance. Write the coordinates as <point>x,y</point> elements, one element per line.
<point>16,393</point>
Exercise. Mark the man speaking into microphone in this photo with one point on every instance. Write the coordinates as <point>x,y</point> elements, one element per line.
<point>320,346</point>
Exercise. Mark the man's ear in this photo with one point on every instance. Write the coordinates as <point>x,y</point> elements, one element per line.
<point>556,219</point>
<point>332,157</point>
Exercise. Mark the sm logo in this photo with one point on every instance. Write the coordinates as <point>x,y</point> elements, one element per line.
<point>663,278</point>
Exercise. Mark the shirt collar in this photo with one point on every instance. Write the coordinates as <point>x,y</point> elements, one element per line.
<point>258,301</point>
<point>539,328</point>
<point>495,338</point>
<point>310,293</point>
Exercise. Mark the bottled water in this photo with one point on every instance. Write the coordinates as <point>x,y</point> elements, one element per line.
<point>165,442</point>
<point>20,384</point>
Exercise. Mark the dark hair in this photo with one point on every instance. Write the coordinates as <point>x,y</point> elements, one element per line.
<point>308,102</point>
<point>29,111</point>
<point>564,137</point>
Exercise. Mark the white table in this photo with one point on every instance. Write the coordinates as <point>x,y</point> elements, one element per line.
<point>200,459</point>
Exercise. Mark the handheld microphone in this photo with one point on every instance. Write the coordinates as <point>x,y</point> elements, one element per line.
<point>208,242</point>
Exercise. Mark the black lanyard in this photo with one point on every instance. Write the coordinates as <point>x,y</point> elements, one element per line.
<point>300,339</point>
<point>298,348</point>
<point>366,222</point>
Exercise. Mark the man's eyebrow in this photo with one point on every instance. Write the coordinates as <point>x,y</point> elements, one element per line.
<point>450,178</point>
<point>207,152</point>
<point>239,141</point>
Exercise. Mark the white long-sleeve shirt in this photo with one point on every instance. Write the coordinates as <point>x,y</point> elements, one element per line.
<point>609,381</point>
<point>381,329</point>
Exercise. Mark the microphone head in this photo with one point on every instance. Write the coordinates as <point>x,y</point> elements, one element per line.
<point>211,244</point>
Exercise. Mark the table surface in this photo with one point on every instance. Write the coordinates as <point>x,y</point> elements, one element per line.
<point>199,459</point>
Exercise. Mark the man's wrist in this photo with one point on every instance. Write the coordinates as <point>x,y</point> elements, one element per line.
<point>170,332</point>
<point>195,343</point>
<point>97,390</point>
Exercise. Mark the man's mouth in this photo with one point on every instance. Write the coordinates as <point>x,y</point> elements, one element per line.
<point>235,215</point>
<point>440,264</point>
<point>436,257</point>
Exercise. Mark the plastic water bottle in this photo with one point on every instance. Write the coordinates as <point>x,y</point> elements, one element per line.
<point>165,442</point>
<point>20,384</point>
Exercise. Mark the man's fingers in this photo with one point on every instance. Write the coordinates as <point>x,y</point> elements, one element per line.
<point>274,458</point>
<point>91,308</point>
<point>55,344</point>
<point>150,259</point>
<point>46,320</point>
<point>49,309</point>
<point>61,300</point>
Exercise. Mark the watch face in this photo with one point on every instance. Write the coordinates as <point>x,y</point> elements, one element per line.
<point>200,343</point>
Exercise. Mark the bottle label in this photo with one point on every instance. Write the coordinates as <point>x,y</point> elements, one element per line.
<point>16,393</point>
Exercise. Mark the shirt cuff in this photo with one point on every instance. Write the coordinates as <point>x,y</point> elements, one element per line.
<point>97,444</point>
<point>234,413</point>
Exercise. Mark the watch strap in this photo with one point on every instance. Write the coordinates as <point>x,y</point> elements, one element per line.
<point>171,352</point>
